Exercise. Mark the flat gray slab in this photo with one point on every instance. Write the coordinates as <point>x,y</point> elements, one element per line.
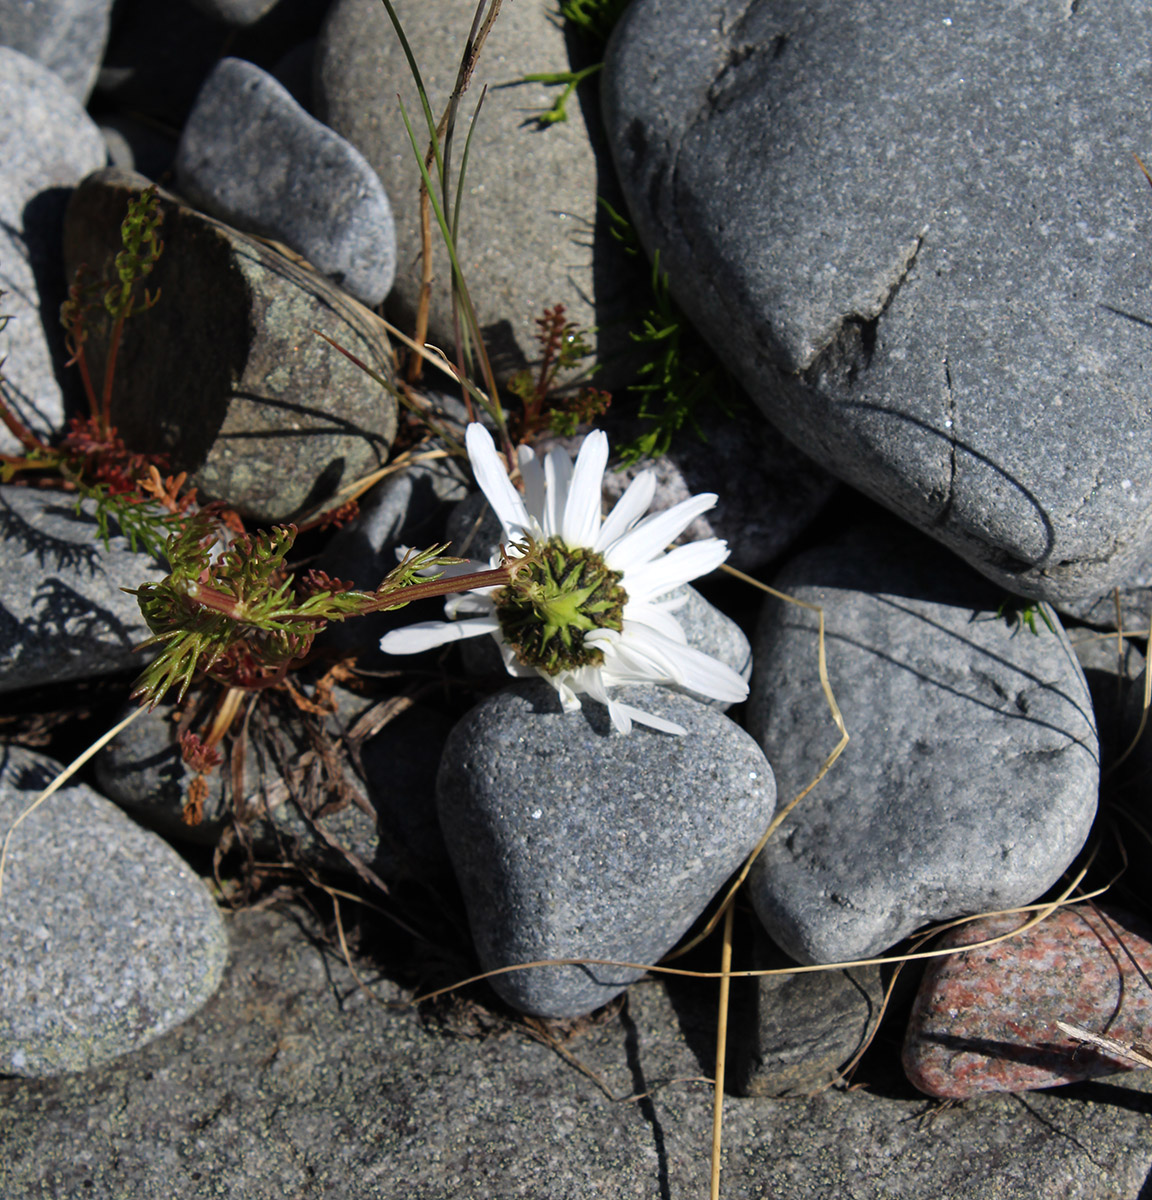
<point>292,1083</point>
<point>918,237</point>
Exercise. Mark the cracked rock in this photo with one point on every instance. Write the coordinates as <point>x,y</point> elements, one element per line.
<point>899,231</point>
<point>970,779</point>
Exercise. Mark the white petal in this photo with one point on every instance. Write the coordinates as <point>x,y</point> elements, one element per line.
<point>631,506</point>
<point>658,618</point>
<point>581,521</point>
<point>710,677</point>
<point>425,635</point>
<point>674,569</point>
<point>654,533</point>
<point>469,603</point>
<point>493,481</point>
<point>532,472</point>
<point>621,720</point>
<point>557,476</point>
<point>643,718</point>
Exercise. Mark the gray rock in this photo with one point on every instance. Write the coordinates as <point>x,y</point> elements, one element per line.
<point>66,36</point>
<point>881,219</point>
<point>253,157</point>
<point>295,1071</point>
<point>235,12</point>
<point>1135,595</point>
<point>63,614</point>
<point>803,1027</point>
<point>407,508</point>
<point>531,233</point>
<point>48,143</point>
<point>109,938</point>
<point>263,413</point>
<point>379,812</point>
<point>970,780</point>
<point>1113,672</point>
<point>572,841</point>
<point>768,491</point>
<point>135,146</point>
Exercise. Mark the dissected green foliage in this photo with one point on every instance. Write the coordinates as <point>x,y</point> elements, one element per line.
<point>569,80</point>
<point>595,18</point>
<point>239,616</point>
<point>547,402</point>
<point>680,374</point>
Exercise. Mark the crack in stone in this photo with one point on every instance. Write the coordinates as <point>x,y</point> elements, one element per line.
<point>950,426</point>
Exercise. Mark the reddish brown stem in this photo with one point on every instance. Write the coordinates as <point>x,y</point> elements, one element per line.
<point>109,373</point>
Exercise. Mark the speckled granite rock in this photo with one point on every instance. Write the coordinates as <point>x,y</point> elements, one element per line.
<point>48,143</point>
<point>572,841</point>
<point>109,938</point>
<point>879,217</point>
<point>985,1021</point>
<point>251,156</point>
<point>265,414</point>
<point>66,36</point>
<point>63,614</point>
<point>971,778</point>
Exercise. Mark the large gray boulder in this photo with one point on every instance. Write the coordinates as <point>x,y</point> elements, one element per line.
<point>919,239</point>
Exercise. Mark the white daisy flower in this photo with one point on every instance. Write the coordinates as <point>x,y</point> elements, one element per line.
<point>588,610</point>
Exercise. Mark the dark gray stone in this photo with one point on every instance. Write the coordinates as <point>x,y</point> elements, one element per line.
<point>63,614</point>
<point>66,36</point>
<point>891,225</point>
<point>802,1028</point>
<point>531,233</point>
<point>109,938</point>
<point>251,156</point>
<point>235,12</point>
<point>1135,595</point>
<point>1113,671</point>
<point>383,815</point>
<point>407,508</point>
<point>572,841</point>
<point>48,143</point>
<point>265,415</point>
<point>136,146</point>
<point>294,1080</point>
<point>970,780</point>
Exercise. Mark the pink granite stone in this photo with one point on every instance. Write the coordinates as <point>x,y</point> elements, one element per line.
<point>985,1021</point>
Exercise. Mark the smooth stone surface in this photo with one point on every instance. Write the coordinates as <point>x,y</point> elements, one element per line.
<point>573,841</point>
<point>1114,674</point>
<point>264,414</point>
<point>251,156</point>
<point>970,781</point>
<point>66,36</point>
<point>531,232</point>
<point>235,12</point>
<point>768,492</point>
<point>1135,593</point>
<point>801,1029</point>
<point>109,937</point>
<point>63,614</point>
<point>892,225</point>
<point>48,143</point>
<point>985,1021</point>
<point>295,1080</point>
<point>383,816</point>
